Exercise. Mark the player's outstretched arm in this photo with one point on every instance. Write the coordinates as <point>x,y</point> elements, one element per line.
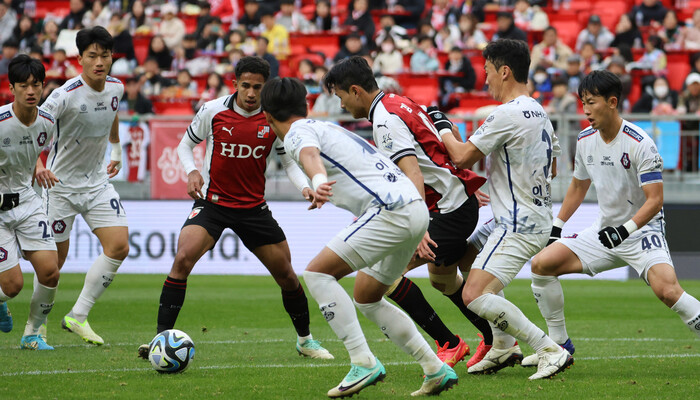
<point>195,182</point>
<point>116,156</point>
<point>310,160</point>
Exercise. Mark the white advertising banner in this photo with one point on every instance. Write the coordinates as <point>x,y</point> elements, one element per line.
<point>154,227</point>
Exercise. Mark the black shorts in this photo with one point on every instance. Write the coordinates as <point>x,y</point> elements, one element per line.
<point>450,231</point>
<point>254,226</point>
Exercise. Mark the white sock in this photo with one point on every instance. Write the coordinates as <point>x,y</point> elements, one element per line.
<point>507,317</point>
<point>550,299</point>
<point>303,339</point>
<point>39,307</point>
<point>501,340</point>
<point>399,327</point>
<point>688,308</point>
<point>337,308</point>
<point>3,296</point>
<point>97,279</point>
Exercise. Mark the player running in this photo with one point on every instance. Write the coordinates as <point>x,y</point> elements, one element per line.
<point>230,194</point>
<point>24,227</point>
<point>86,108</point>
<point>391,221</point>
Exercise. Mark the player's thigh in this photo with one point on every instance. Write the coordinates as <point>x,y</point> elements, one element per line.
<point>555,260</point>
<point>61,210</point>
<point>45,263</point>
<point>114,241</point>
<point>277,259</point>
<point>643,250</point>
<point>327,261</point>
<point>475,243</point>
<point>256,227</point>
<point>194,241</point>
<point>451,231</point>
<point>104,209</point>
<point>593,256</point>
<point>478,283</point>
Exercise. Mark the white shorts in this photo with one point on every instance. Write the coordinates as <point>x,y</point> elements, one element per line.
<point>25,227</point>
<point>479,237</point>
<point>100,208</point>
<point>505,253</point>
<point>642,250</point>
<point>381,242</point>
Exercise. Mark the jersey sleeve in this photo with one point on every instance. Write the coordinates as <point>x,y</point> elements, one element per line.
<point>294,173</point>
<point>55,104</point>
<point>556,147</point>
<point>393,139</point>
<point>494,132</point>
<point>200,126</point>
<point>299,138</point>
<point>580,171</point>
<point>648,162</point>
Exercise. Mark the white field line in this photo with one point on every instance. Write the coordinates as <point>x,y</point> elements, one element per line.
<point>310,365</point>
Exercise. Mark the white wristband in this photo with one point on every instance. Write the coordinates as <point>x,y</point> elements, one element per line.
<point>116,154</point>
<point>318,180</point>
<point>445,131</point>
<point>631,226</point>
<point>558,223</point>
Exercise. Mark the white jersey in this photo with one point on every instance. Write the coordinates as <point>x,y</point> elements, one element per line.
<point>84,120</point>
<point>20,146</point>
<point>519,141</point>
<point>618,170</point>
<point>365,178</point>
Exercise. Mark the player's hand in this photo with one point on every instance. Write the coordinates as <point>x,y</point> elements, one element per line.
<point>612,237</point>
<point>482,198</point>
<point>113,168</point>
<point>46,179</point>
<point>554,235</point>
<point>323,193</point>
<point>424,251</point>
<point>310,196</point>
<point>439,119</point>
<point>194,185</point>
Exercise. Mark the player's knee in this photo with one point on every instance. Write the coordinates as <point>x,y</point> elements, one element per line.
<point>446,284</point>
<point>183,264</point>
<point>12,287</point>
<point>48,277</point>
<point>669,294</point>
<point>470,295</point>
<point>118,251</point>
<point>541,264</point>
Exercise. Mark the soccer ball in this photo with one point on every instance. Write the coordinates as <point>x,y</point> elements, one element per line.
<point>171,351</point>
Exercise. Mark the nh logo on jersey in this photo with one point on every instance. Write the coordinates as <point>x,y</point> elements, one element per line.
<point>228,130</point>
<point>41,139</point>
<point>263,131</point>
<point>58,226</point>
<point>625,160</point>
<point>3,254</point>
<point>195,212</point>
<point>115,103</point>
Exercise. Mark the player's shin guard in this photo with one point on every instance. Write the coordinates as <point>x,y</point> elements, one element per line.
<point>410,298</point>
<point>297,307</point>
<point>39,307</point>
<point>339,312</point>
<point>97,279</point>
<point>688,308</point>
<point>398,327</point>
<point>171,299</point>
<point>550,299</point>
<point>481,324</point>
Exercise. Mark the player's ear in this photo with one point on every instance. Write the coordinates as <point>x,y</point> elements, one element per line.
<point>612,102</point>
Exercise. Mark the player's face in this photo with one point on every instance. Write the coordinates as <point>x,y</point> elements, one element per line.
<point>27,93</point>
<point>96,62</point>
<point>597,110</point>
<point>249,86</point>
<point>349,101</point>
<point>493,79</point>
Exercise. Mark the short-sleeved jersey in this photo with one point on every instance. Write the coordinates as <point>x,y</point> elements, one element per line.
<point>401,128</point>
<point>20,146</point>
<point>84,120</point>
<point>618,170</point>
<point>365,178</point>
<point>519,141</point>
<point>237,146</point>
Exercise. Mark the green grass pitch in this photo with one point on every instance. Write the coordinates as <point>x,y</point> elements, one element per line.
<point>628,345</point>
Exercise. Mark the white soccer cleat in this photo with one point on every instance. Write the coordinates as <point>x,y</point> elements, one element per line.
<point>497,359</point>
<point>143,351</point>
<point>552,363</point>
<point>312,348</point>
<point>532,360</point>
<point>438,382</point>
<point>81,329</point>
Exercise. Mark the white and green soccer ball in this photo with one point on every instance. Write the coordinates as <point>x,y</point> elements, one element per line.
<point>171,351</point>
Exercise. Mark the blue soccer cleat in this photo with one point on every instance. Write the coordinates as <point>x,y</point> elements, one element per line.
<point>5,318</point>
<point>357,379</point>
<point>438,382</point>
<point>34,342</point>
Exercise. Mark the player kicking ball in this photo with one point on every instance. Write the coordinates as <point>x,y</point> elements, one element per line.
<point>24,226</point>
<point>623,163</point>
<point>391,221</point>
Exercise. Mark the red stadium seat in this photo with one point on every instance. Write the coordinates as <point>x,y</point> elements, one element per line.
<point>421,88</point>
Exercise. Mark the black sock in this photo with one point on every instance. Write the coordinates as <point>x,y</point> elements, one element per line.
<point>171,299</point>
<point>481,324</point>
<point>409,297</point>
<point>297,307</point>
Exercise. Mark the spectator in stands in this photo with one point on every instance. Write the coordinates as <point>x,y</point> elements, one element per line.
<point>8,21</point>
<point>276,34</point>
<point>136,20</point>
<point>627,33</point>
<point>133,100</point>
<point>462,77</point>
<point>360,20</point>
<point>352,47</point>
<point>616,65</point>
<point>424,58</point>
<point>550,52</point>
<point>291,19</point>
<point>25,34</point>
<point>425,29</point>
<point>389,59</point>
<point>10,48</point>
<point>261,51</point>
<point>398,33</point>
<point>506,28</point>
<point>97,15</point>
<point>151,81</point>
<point>171,27</point>
<point>305,73</point>
<point>595,33</point>
<point>689,103</point>
<point>695,62</point>
<point>123,42</point>
<point>573,73</point>
<point>184,87</point>
<point>48,37</point>
<point>326,103</point>
<point>413,8</point>
<point>75,16</point>
<point>474,7</point>
<point>60,67</point>
<point>590,60</point>
<point>212,39</point>
<point>229,65</point>
<point>251,16</point>
<point>471,36</point>
<point>541,80</point>
<point>690,36</point>
<point>215,88</point>
<point>442,14</point>
<point>323,20</point>
<point>563,102</point>
<point>657,98</point>
<point>204,17</point>
<point>529,18</point>
<point>654,57</point>
<point>49,87</point>
<point>670,31</point>
<point>445,39</point>
<point>35,53</point>
<point>159,50</point>
<point>648,11</point>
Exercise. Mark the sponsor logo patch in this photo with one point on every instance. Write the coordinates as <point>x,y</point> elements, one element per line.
<point>263,131</point>
<point>195,212</point>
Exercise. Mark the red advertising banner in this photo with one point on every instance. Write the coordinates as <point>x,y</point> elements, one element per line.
<point>168,178</point>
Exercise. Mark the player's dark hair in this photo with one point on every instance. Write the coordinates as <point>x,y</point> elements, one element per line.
<point>284,98</point>
<point>254,65</point>
<point>512,53</point>
<point>351,71</point>
<point>22,67</point>
<point>95,35</point>
<point>601,83</point>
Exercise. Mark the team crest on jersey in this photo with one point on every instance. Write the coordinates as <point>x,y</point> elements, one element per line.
<point>3,254</point>
<point>263,131</point>
<point>195,212</point>
<point>58,226</point>
<point>115,103</point>
<point>625,160</point>
<point>41,139</point>
<point>6,142</point>
<point>83,108</point>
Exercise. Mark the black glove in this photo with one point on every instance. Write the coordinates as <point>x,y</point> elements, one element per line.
<point>439,119</point>
<point>612,237</point>
<point>554,235</point>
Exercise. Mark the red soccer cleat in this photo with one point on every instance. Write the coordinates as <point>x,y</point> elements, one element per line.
<point>454,355</point>
<point>481,351</point>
